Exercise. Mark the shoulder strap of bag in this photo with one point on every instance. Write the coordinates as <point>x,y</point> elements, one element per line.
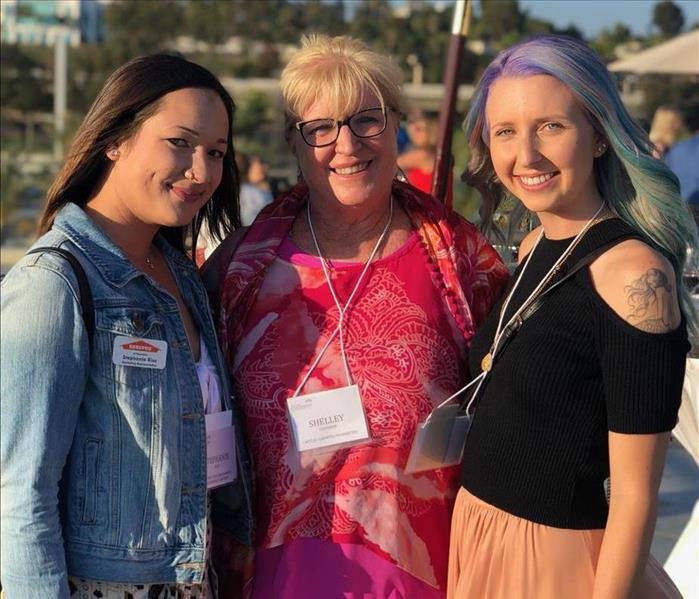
<point>586,260</point>
<point>88,310</point>
<point>511,330</point>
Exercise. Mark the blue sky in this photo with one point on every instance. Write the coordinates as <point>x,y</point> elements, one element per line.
<point>591,16</point>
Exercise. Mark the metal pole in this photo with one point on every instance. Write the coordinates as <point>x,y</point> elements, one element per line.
<point>443,159</point>
<point>60,86</point>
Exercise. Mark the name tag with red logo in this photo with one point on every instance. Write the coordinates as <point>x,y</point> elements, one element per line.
<point>140,353</point>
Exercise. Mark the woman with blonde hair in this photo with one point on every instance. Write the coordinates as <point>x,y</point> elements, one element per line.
<point>347,308</point>
<point>581,364</point>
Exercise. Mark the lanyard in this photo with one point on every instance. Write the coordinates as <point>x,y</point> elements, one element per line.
<point>342,310</point>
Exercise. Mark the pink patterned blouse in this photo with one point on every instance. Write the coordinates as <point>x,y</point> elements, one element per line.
<point>405,362</point>
<point>406,337</point>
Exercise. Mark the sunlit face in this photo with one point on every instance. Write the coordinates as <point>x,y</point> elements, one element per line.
<point>542,145</point>
<point>353,171</point>
<point>171,167</point>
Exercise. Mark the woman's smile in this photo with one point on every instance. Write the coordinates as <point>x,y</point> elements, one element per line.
<point>538,182</point>
<point>353,169</point>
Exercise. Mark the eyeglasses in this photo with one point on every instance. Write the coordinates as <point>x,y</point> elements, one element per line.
<point>319,133</point>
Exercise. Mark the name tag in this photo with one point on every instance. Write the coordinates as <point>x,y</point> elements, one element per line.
<point>140,353</point>
<point>334,417</point>
<point>221,463</point>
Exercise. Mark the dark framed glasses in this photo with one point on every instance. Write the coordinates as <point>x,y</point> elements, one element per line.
<point>323,132</point>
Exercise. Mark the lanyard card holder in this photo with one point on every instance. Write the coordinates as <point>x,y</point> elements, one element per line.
<point>439,440</point>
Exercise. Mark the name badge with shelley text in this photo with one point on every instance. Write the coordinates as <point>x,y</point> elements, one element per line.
<point>326,418</point>
<point>140,353</point>
<point>221,463</point>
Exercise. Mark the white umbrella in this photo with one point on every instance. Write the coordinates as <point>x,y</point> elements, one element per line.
<point>678,56</point>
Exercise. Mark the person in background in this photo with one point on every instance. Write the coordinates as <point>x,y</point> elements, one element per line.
<point>363,290</point>
<point>255,193</point>
<point>106,479</point>
<point>258,174</point>
<point>683,158</point>
<point>417,162</point>
<point>565,453</point>
<point>665,129</point>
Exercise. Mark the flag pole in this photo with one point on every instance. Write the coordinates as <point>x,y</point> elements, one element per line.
<point>443,159</point>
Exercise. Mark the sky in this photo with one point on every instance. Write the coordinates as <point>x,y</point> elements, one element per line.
<point>591,16</point>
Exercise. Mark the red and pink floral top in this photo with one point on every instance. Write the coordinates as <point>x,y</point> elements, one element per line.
<point>406,339</point>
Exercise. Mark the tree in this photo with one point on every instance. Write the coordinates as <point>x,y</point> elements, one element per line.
<point>24,82</point>
<point>501,17</point>
<point>608,39</point>
<point>668,18</point>
<point>135,28</point>
<point>211,21</point>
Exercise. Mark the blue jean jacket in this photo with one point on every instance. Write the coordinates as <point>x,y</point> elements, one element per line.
<point>104,465</point>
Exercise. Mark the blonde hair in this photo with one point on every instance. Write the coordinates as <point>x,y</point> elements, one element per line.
<point>667,126</point>
<point>339,69</point>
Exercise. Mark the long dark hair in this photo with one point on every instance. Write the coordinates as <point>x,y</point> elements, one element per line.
<point>129,97</point>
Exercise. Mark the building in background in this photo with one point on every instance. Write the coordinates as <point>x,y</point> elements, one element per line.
<point>38,22</point>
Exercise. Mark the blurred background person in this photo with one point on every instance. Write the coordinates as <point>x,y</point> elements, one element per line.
<point>683,158</point>
<point>417,161</point>
<point>565,454</point>
<point>105,489</point>
<point>255,191</point>
<point>362,287</point>
<point>666,129</point>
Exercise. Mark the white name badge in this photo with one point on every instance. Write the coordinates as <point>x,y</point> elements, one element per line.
<point>221,463</point>
<point>334,417</point>
<point>141,353</point>
<point>439,441</point>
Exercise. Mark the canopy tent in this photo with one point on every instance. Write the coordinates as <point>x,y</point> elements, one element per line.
<point>678,56</point>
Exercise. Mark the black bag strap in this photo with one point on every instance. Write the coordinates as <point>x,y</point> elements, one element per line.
<point>511,330</point>
<point>586,260</point>
<point>88,309</point>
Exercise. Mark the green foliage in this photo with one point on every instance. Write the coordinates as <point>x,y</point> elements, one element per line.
<point>24,84</point>
<point>135,27</point>
<point>501,19</point>
<point>666,90</point>
<point>668,18</point>
<point>609,39</point>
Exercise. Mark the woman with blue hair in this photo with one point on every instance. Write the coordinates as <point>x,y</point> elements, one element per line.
<point>581,363</point>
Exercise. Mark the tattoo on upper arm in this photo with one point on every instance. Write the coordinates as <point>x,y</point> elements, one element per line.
<point>651,301</point>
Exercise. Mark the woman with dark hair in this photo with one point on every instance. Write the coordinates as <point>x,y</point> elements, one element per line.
<point>580,366</point>
<point>114,434</point>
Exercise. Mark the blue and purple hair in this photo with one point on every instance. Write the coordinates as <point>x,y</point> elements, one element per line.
<point>639,188</point>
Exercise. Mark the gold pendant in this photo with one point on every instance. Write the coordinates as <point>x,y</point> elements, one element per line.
<point>487,362</point>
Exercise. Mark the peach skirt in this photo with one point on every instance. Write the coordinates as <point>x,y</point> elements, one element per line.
<point>495,555</point>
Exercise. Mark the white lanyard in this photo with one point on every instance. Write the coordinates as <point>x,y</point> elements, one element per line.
<point>342,310</point>
<point>500,330</point>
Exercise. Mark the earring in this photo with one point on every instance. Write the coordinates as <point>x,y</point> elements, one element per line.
<point>113,154</point>
<point>601,148</point>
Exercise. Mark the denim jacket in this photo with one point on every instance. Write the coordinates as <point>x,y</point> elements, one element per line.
<point>104,465</point>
